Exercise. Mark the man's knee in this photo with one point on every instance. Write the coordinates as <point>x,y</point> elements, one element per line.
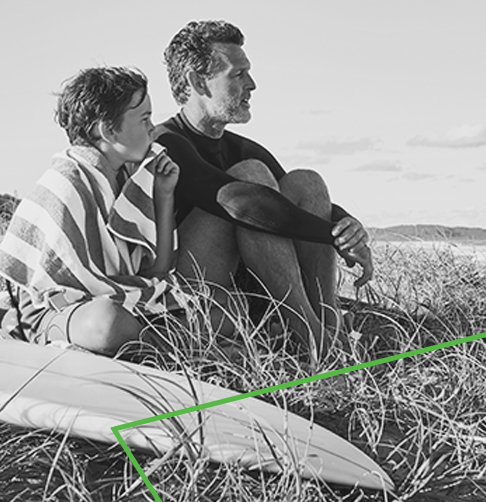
<point>103,326</point>
<point>255,171</point>
<point>305,187</point>
<point>304,182</point>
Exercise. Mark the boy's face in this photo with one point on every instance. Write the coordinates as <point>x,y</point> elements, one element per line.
<point>133,139</point>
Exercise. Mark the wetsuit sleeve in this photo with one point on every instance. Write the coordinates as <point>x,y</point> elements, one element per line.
<point>338,213</point>
<point>262,208</point>
<point>248,204</point>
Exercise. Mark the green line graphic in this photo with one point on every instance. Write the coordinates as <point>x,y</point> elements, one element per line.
<point>116,430</point>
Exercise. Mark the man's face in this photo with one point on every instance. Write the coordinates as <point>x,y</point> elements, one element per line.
<point>135,135</point>
<point>230,88</point>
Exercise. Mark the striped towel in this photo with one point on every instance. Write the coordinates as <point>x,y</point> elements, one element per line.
<point>75,234</point>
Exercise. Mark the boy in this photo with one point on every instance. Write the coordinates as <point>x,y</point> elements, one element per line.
<point>91,247</point>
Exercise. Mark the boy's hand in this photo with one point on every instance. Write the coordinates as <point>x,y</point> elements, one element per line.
<point>166,175</point>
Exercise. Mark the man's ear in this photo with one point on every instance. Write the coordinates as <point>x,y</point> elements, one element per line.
<point>197,83</point>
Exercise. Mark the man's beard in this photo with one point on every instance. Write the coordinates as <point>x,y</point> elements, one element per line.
<point>239,117</point>
<point>233,113</point>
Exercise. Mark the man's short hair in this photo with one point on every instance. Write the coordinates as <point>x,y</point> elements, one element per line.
<point>94,95</point>
<point>192,48</point>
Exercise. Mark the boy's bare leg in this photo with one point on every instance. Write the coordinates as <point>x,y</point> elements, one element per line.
<point>103,326</point>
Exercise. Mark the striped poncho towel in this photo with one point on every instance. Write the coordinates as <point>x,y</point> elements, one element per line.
<point>77,235</point>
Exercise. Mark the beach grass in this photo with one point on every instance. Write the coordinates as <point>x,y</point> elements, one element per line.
<point>422,418</point>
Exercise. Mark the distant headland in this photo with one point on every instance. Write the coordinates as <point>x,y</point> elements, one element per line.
<point>429,233</point>
<point>475,235</point>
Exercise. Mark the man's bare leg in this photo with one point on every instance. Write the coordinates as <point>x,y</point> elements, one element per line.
<point>274,260</point>
<point>307,190</point>
<point>216,247</point>
<point>207,248</point>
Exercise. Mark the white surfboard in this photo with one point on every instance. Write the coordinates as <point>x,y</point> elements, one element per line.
<point>87,395</point>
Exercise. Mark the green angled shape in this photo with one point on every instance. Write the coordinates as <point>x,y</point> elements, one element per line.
<point>116,430</point>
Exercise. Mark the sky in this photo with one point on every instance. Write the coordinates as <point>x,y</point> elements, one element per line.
<point>386,100</point>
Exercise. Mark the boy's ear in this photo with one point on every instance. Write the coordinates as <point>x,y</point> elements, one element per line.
<point>197,83</point>
<point>105,132</point>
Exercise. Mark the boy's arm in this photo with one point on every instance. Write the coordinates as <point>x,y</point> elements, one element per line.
<point>166,176</point>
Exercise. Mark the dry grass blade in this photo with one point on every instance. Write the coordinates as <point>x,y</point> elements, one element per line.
<point>422,419</point>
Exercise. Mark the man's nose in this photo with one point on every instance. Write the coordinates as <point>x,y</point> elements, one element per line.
<point>251,84</point>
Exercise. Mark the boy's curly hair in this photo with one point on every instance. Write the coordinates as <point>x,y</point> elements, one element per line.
<point>94,95</point>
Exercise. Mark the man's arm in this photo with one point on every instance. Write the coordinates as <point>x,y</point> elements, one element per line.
<point>338,213</point>
<point>262,208</point>
<point>350,236</point>
<point>244,203</point>
<point>261,153</point>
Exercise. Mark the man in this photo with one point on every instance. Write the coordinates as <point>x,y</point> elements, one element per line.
<point>234,201</point>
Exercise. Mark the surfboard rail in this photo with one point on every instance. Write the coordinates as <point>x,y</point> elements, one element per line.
<point>87,395</point>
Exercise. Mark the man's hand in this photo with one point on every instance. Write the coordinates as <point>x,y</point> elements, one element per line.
<point>362,256</point>
<point>351,240</point>
<point>349,234</point>
<point>166,175</point>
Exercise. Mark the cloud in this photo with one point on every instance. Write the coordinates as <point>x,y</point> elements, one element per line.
<point>465,136</point>
<point>414,176</point>
<point>303,160</point>
<point>318,112</point>
<point>393,166</point>
<point>380,166</point>
<point>482,167</point>
<point>348,146</point>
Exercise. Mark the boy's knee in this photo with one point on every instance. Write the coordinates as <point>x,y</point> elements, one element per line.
<point>103,326</point>
<point>255,171</point>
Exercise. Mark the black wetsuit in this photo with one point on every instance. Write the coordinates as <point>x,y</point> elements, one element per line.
<point>204,183</point>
